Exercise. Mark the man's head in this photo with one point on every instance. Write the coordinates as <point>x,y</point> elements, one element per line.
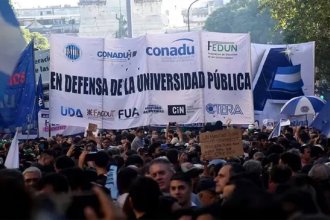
<point>225,173</point>
<point>31,177</point>
<point>181,189</point>
<point>46,158</point>
<point>106,143</point>
<point>206,191</point>
<point>161,170</point>
<point>139,132</point>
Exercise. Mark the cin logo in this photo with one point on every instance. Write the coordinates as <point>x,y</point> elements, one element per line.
<point>177,110</point>
<point>72,52</point>
<point>71,112</point>
<point>128,113</point>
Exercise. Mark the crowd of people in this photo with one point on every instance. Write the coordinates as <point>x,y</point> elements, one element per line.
<point>147,173</point>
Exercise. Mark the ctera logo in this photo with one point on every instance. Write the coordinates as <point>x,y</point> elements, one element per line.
<point>183,50</point>
<point>177,110</point>
<point>113,55</point>
<point>128,113</point>
<point>224,109</point>
<point>71,112</point>
<point>72,52</point>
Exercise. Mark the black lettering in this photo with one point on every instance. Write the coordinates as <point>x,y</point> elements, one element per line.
<point>163,81</point>
<point>247,81</point>
<point>105,87</point>
<point>169,78</point>
<point>240,82</point>
<point>187,81</point>
<point>67,83</point>
<point>92,86</point>
<point>74,84</point>
<point>210,79</point>
<point>223,81</point>
<point>201,79</point>
<point>176,81</point>
<point>86,86</point>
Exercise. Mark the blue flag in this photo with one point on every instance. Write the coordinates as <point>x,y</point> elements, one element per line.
<point>18,102</point>
<point>12,44</point>
<point>279,79</point>
<point>40,96</point>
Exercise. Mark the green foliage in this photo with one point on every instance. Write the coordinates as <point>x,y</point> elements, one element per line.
<point>40,42</point>
<point>245,16</point>
<point>305,20</point>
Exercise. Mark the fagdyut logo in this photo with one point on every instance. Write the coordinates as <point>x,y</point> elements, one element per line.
<point>71,112</point>
<point>153,109</point>
<point>128,113</point>
<point>177,110</point>
<point>120,56</point>
<point>175,51</point>
<point>72,52</point>
<point>96,113</point>
<point>224,109</point>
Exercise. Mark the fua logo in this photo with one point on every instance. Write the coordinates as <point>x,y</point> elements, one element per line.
<point>71,112</point>
<point>128,113</point>
<point>183,50</point>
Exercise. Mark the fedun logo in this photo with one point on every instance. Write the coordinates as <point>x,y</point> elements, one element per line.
<point>224,109</point>
<point>71,112</point>
<point>183,50</point>
<point>218,46</point>
<point>72,52</point>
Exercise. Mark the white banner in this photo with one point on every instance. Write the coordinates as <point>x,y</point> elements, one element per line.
<point>121,83</point>
<point>44,125</point>
<point>226,58</point>
<point>41,64</point>
<point>280,73</point>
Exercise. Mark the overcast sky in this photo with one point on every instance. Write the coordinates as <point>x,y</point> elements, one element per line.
<point>42,3</point>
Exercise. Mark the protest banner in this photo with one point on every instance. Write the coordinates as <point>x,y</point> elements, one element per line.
<point>122,83</point>
<point>280,72</point>
<point>221,144</point>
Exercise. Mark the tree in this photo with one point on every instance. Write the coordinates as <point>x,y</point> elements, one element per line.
<point>40,42</point>
<point>304,20</point>
<point>242,16</point>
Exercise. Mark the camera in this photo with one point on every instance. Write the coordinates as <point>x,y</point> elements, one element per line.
<point>172,124</point>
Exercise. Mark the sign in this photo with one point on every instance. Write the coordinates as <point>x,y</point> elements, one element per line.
<point>122,83</point>
<point>221,144</point>
<point>280,72</point>
<point>44,125</point>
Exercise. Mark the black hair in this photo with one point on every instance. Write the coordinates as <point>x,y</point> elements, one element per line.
<point>144,194</point>
<point>182,177</point>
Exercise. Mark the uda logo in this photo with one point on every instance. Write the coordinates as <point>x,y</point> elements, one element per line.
<point>71,112</point>
<point>72,52</point>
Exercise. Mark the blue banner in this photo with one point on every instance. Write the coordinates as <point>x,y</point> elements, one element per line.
<point>17,107</point>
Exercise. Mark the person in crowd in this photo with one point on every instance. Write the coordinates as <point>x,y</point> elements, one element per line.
<point>206,191</point>
<point>125,178</point>
<point>225,173</point>
<point>45,162</point>
<point>143,197</point>
<point>181,189</point>
<point>161,170</point>
<point>32,176</point>
<point>138,140</point>
<point>63,162</point>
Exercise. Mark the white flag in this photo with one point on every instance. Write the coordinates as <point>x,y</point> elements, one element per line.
<point>12,160</point>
